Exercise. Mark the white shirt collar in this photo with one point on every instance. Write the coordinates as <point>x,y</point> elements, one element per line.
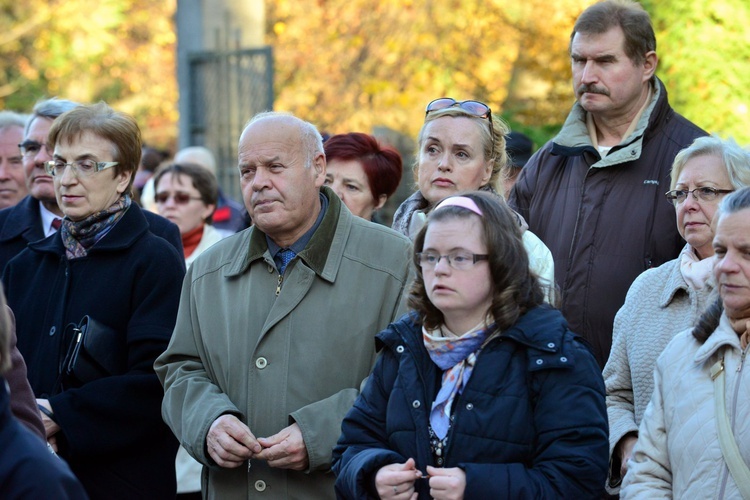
<point>47,218</point>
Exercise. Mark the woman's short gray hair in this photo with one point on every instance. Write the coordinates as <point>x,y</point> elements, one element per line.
<point>735,159</point>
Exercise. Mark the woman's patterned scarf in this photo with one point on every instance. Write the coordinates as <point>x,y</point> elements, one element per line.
<point>81,235</point>
<point>456,356</point>
<point>411,215</point>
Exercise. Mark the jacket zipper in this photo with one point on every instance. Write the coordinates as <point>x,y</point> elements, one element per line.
<point>278,285</point>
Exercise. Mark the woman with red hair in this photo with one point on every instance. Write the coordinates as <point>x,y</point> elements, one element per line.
<point>361,171</point>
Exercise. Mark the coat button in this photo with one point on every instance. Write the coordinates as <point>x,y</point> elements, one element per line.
<point>539,361</point>
<point>416,403</point>
<point>563,359</point>
<point>400,349</point>
<point>469,406</point>
<point>271,268</point>
<point>261,363</point>
<point>260,485</point>
<point>52,331</point>
<point>551,345</point>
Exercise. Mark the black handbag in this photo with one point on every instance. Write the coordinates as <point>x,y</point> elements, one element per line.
<point>95,352</point>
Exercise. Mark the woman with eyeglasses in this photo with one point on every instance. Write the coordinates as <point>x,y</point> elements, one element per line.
<point>187,195</point>
<point>361,172</point>
<point>481,391</point>
<point>101,406</point>
<point>461,147</point>
<point>695,435</point>
<point>671,297</point>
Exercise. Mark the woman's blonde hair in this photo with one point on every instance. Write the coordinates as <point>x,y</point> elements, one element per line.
<point>493,145</point>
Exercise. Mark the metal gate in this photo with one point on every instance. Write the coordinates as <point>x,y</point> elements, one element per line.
<point>225,90</point>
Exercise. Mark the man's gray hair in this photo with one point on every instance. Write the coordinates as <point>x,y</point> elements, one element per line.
<point>312,141</point>
<point>51,109</point>
<point>12,119</point>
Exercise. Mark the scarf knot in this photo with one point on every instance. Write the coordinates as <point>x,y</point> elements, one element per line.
<point>79,236</point>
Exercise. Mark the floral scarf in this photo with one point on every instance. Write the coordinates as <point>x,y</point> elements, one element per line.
<point>456,356</point>
<point>79,236</point>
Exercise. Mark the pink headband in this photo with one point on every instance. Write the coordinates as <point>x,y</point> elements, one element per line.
<point>460,201</point>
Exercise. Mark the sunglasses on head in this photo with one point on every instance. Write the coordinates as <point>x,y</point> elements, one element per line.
<point>474,108</point>
<point>179,198</point>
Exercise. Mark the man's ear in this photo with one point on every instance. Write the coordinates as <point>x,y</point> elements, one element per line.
<point>649,65</point>
<point>319,165</point>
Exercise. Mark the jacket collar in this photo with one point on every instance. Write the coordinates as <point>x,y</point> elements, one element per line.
<point>541,328</point>
<point>23,221</point>
<point>322,254</point>
<point>125,233</point>
<point>574,140</point>
<point>724,335</point>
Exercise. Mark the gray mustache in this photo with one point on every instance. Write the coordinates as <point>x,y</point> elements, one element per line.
<point>591,89</point>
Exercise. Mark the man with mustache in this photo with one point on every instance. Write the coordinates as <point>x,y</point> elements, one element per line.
<point>595,193</point>
<point>276,325</point>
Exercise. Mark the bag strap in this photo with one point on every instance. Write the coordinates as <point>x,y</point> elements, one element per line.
<point>729,449</point>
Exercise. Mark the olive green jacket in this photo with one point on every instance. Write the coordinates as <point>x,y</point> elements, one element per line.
<point>275,350</point>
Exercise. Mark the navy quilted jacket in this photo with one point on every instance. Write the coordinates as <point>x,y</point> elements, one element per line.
<point>530,423</point>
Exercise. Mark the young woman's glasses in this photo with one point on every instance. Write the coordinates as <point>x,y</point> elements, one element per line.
<point>679,196</point>
<point>179,198</point>
<point>459,260</point>
<point>81,168</point>
<point>474,108</point>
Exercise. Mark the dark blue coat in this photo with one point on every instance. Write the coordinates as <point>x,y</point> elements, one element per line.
<point>112,433</point>
<point>530,423</point>
<point>21,224</point>
<point>27,469</point>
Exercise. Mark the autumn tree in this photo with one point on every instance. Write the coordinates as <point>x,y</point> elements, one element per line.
<point>119,51</point>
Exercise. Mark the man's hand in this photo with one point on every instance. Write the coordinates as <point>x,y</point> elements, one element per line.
<point>230,442</point>
<point>285,449</point>
<point>396,481</point>
<point>447,484</point>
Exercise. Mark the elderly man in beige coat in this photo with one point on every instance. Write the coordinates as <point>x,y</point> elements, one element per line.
<point>276,326</point>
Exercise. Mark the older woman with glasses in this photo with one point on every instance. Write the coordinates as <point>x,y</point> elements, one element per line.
<point>695,435</point>
<point>481,391</point>
<point>669,298</point>
<point>461,147</point>
<point>95,304</point>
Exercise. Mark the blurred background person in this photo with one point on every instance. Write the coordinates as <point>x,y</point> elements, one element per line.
<point>186,194</point>
<point>103,263</point>
<point>361,172</point>
<point>481,387</point>
<point>12,180</point>
<point>694,440</point>
<point>229,215</point>
<point>461,147</point>
<point>519,148</point>
<point>27,469</point>
<point>665,300</point>
<point>151,158</point>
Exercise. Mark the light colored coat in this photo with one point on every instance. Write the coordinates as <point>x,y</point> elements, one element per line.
<point>678,453</point>
<point>274,359</point>
<point>659,304</point>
